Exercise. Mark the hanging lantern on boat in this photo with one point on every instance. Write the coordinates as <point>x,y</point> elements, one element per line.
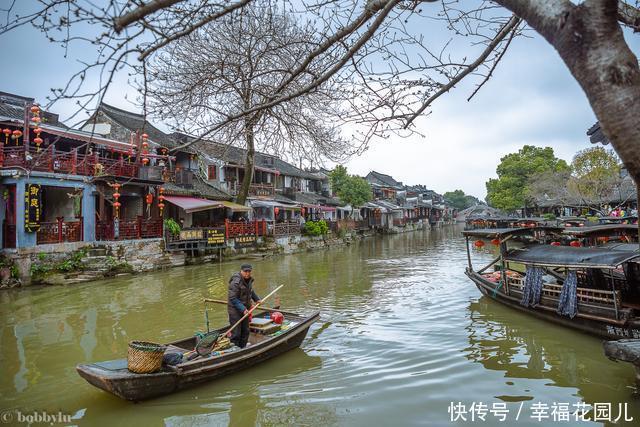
<point>277,317</point>
<point>495,242</point>
<point>478,243</point>
<point>575,243</point>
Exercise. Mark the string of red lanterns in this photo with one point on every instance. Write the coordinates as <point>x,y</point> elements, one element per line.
<point>35,111</point>
<point>161,200</point>
<point>116,203</point>
<point>145,149</point>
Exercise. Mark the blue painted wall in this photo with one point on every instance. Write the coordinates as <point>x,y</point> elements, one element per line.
<point>24,239</point>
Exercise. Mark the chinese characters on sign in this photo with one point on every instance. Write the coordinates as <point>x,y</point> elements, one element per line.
<point>244,241</point>
<point>191,234</point>
<point>215,237</point>
<point>32,207</point>
<point>560,412</point>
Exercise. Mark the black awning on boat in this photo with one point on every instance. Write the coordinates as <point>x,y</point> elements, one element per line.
<point>568,256</point>
<point>601,230</point>
<point>490,233</point>
<point>629,247</point>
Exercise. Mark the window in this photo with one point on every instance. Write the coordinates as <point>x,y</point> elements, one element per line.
<point>213,172</point>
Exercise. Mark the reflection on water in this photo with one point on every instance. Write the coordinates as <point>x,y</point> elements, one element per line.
<point>403,333</point>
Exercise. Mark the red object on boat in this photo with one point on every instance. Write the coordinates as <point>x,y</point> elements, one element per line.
<point>555,243</point>
<point>575,244</point>
<point>495,242</point>
<point>479,243</point>
<point>277,317</point>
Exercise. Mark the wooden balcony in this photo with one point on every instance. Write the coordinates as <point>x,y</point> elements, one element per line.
<point>70,162</point>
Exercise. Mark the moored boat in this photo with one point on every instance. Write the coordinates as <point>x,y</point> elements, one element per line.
<point>593,289</point>
<point>114,377</point>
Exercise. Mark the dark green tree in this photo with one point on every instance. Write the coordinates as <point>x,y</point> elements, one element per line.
<point>515,171</point>
<point>459,200</point>
<point>338,177</point>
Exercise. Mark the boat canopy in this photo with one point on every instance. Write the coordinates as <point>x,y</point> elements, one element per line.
<point>601,230</point>
<point>568,256</point>
<point>631,247</point>
<point>490,233</point>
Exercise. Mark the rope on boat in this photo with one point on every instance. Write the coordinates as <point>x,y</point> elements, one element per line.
<point>568,302</point>
<point>532,286</point>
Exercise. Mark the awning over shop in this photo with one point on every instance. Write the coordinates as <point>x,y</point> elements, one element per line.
<point>193,204</point>
<point>235,207</point>
<point>272,204</point>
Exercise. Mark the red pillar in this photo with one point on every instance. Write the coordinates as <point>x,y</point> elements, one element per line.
<point>226,228</point>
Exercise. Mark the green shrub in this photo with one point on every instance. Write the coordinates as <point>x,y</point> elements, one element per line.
<point>173,227</point>
<point>316,228</point>
<point>549,216</point>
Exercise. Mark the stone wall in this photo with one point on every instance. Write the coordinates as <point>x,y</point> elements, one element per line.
<point>68,263</point>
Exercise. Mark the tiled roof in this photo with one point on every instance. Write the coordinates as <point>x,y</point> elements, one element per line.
<point>315,199</point>
<point>237,155</point>
<point>596,135</point>
<point>200,189</point>
<point>12,106</point>
<point>384,180</point>
<point>136,122</point>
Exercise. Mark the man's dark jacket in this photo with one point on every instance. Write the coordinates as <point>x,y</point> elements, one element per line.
<point>240,294</point>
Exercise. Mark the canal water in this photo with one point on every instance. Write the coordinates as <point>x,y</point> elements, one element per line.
<point>403,337</point>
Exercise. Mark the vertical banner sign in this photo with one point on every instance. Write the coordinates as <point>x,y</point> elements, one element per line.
<point>32,207</point>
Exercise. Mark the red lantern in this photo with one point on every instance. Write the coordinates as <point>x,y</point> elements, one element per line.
<point>116,195</point>
<point>161,206</point>
<point>145,136</point>
<point>495,242</point>
<point>6,132</point>
<point>478,243</point>
<point>149,198</point>
<point>303,210</point>
<point>555,243</point>
<point>35,109</point>
<point>276,210</point>
<point>116,204</point>
<point>145,161</point>
<point>145,144</point>
<point>575,244</point>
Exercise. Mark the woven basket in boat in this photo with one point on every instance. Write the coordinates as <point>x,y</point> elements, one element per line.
<point>144,357</point>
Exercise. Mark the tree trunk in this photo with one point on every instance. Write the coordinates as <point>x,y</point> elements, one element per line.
<point>590,41</point>
<point>249,138</point>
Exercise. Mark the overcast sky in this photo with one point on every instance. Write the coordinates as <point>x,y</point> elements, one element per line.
<point>532,99</point>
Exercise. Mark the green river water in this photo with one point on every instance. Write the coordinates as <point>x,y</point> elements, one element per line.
<point>403,334</point>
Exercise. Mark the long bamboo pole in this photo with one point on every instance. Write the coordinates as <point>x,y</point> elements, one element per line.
<point>270,309</point>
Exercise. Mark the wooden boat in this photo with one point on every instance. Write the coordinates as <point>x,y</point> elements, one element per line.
<point>114,377</point>
<point>608,282</point>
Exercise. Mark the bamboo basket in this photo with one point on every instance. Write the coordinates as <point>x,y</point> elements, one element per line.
<point>145,357</point>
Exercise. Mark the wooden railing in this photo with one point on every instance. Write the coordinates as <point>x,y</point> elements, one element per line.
<point>244,228</point>
<point>60,231</point>
<point>139,228</point>
<point>71,162</point>
<point>286,228</point>
<point>584,295</point>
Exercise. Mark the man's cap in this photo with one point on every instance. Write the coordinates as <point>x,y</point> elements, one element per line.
<point>245,267</point>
